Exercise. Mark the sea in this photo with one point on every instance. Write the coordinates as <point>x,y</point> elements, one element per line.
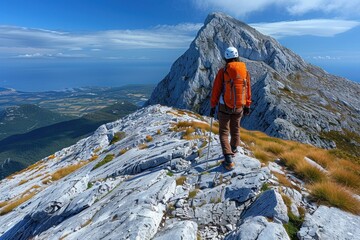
<point>47,76</point>
<point>36,77</point>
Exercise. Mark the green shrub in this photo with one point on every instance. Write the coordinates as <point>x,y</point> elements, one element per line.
<point>107,158</point>
<point>117,137</point>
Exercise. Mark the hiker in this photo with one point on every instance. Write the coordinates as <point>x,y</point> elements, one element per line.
<point>232,94</point>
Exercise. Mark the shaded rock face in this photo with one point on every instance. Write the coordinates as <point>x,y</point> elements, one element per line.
<point>291,98</point>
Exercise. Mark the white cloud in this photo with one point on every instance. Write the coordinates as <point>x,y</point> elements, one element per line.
<point>315,27</point>
<point>325,58</point>
<point>295,7</point>
<point>37,43</point>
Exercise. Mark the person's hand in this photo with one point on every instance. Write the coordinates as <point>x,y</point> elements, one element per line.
<point>246,110</point>
<point>212,112</point>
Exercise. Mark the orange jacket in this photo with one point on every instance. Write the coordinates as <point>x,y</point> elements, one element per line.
<point>233,85</point>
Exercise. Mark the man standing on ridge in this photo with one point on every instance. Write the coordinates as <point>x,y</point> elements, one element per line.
<point>232,92</point>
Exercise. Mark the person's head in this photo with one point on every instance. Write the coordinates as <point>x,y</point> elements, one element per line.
<point>231,54</point>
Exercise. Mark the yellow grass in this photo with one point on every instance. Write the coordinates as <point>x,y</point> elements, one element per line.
<point>262,155</point>
<point>320,156</point>
<point>66,171</point>
<point>181,180</point>
<point>283,180</point>
<point>346,178</point>
<point>158,132</point>
<point>2,204</point>
<point>97,150</point>
<point>274,148</point>
<point>181,126</point>
<point>15,203</point>
<point>31,167</point>
<point>148,138</point>
<point>335,195</point>
<point>291,158</point>
<point>308,172</point>
<point>349,166</point>
<point>94,157</point>
<point>122,151</point>
<point>143,146</point>
<point>22,182</point>
<point>51,157</point>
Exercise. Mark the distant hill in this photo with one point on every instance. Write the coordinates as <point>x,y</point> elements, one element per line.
<point>25,118</point>
<point>22,150</point>
<point>77,102</point>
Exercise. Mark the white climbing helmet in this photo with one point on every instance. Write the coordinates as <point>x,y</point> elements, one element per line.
<point>231,52</point>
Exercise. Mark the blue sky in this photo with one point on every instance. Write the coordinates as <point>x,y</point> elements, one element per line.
<point>47,44</point>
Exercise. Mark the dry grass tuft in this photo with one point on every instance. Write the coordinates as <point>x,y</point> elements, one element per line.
<point>309,173</point>
<point>2,204</point>
<point>275,148</point>
<point>148,138</point>
<point>15,203</point>
<point>51,157</point>
<point>122,151</point>
<point>320,156</point>
<point>63,172</point>
<point>283,180</point>
<point>346,178</point>
<point>262,155</point>
<point>93,158</point>
<point>181,180</point>
<point>335,195</point>
<point>291,158</point>
<point>23,181</point>
<point>143,146</point>
<point>349,166</point>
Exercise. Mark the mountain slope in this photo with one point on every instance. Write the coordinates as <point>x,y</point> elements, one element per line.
<point>22,150</point>
<point>147,176</point>
<point>291,98</point>
<point>25,118</point>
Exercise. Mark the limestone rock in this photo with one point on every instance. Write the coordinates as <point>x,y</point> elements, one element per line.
<point>270,204</point>
<point>182,230</point>
<point>258,228</point>
<point>330,223</point>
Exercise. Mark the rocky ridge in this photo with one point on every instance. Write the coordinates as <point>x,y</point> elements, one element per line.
<point>291,98</point>
<point>145,177</point>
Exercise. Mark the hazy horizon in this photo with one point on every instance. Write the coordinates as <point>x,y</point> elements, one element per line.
<point>50,76</point>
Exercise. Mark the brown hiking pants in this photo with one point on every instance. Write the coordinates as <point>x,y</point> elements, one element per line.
<point>229,123</point>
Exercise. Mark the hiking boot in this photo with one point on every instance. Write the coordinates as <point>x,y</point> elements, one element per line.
<point>228,162</point>
<point>228,166</point>
<point>234,149</point>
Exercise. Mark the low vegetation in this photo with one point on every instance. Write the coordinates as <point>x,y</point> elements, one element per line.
<point>190,129</point>
<point>295,222</point>
<point>63,172</point>
<point>117,137</point>
<point>333,187</point>
<point>8,206</point>
<point>107,158</point>
<point>181,180</point>
<point>148,138</point>
<point>333,194</point>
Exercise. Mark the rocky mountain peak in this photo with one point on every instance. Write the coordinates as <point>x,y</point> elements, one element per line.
<point>291,98</point>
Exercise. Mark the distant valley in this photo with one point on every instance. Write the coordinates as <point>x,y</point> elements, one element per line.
<point>78,101</point>
<point>30,132</point>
